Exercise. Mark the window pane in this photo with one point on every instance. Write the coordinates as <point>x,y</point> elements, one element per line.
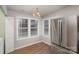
<point>23,32</point>
<point>33,31</point>
<point>46,27</point>
<point>46,23</point>
<point>34,24</point>
<point>46,31</point>
<point>24,23</point>
<point>23,28</point>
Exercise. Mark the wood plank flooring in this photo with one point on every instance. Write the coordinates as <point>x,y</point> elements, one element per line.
<point>39,48</point>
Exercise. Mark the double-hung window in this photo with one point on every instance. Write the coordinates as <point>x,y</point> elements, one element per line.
<point>23,28</point>
<point>27,28</point>
<point>46,27</point>
<point>34,27</point>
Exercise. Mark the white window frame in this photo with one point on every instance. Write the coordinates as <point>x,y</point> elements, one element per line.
<point>34,27</point>
<point>24,27</point>
<point>29,28</point>
<point>48,28</point>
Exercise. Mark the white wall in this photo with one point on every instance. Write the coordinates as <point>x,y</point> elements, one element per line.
<point>72,32</point>
<point>2,17</point>
<point>65,12</point>
<point>9,34</point>
<point>27,41</point>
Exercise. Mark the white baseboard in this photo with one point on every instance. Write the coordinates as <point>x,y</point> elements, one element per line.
<point>46,40</point>
<point>43,40</point>
<point>46,43</point>
<point>28,45</point>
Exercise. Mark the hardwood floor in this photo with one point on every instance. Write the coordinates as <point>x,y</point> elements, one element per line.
<point>39,48</point>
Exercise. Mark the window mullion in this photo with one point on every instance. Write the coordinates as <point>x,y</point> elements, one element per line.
<point>29,27</point>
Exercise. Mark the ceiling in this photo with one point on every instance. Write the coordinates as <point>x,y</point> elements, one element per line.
<point>43,9</point>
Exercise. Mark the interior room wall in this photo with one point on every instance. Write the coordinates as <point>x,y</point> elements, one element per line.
<point>2,17</point>
<point>72,32</point>
<point>27,41</point>
<point>65,12</point>
<point>30,40</point>
<point>9,34</point>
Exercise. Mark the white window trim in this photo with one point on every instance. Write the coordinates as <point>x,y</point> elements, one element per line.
<point>48,35</point>
<point>29,28</point>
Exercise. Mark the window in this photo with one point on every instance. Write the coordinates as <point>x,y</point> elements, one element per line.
<point>27,28</point>
<point>23,28</point>
<point>46,27</point>
<point>34,25</point>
